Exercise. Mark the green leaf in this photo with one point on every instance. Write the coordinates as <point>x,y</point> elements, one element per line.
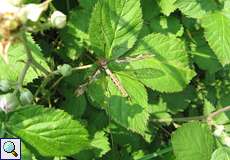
<point>101,144</point>
<point>216,32</point>
<point>75,106</point>
<point>167,6</point>
<point>193,141</point>
<point>221,154</point>
<point>131,113</point>
<point>147,9</point>
<point>26,154</point>
<point>74,35</point>
<point>51,132</point>
<point>87,4</point>
<point>203,55</point>
<point>17,57</point>
<point>195,8</point>
<point>159,110</point>
<point>178,102</point>
<point>170,58</point>
<point>114,27</point>
<point>167,25</point>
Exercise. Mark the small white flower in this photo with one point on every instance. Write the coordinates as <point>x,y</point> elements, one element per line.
<point>58,19</point>
<point>219,130</point>
<point>227,141</point>
<point>33,11</point>
<point>6,7</point>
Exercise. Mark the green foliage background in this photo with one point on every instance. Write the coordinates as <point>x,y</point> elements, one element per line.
<point>186,74</point>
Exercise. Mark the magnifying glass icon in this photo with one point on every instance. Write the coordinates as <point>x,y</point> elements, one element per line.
<point>9,147</point>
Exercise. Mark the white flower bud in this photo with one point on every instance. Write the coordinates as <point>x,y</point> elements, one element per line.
<point>8,102</point>
<point>227,141</point>
<point>26,97</point>
<point>58,19</point>
<point>219,130</point>
<point>65,70</point>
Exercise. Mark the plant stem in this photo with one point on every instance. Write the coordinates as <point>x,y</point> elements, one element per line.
<point>40,67</point>
<point>211,116</point>
<point>156,154</point>
<point>207,118</point>
<point>23,75</point>
<point>30,57</point>
<point>182,119</point>
<point>56,83</point>
<point>82,67</point>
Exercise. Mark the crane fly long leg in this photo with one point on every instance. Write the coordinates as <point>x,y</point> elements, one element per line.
<point>82,88</point>
<point>115,81</point>
<point>134,58</point>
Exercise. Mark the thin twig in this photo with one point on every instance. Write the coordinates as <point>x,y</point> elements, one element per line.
<point>23,75</point>
<point>56,83</point>
<point>216,113</point>
<point>83,67</point>
<point>44,83</point>
<point>82,88</point>
<point>182,119</point>
<point>157,154</point>
<point>30,57</point>
<point>207,118</point>
<point>40,67</point>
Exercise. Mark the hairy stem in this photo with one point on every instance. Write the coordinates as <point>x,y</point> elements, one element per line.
<point>23,75</point>
<point>181,119</point>
<point>207,118</point>
<point>30,57</point>
<point>211,116</point>
<point>157,154</point>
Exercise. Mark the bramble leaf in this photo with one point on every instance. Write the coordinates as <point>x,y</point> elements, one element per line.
<point>101,144</point>
<point>131,113</point>
<point>51,132</point>
<point>203,55</point>
<point>17,58</point>
<point>193,141</point>
<point>114,27</point>
<point>216,27</point>
<point>169,57</point>
<point>195,8</point>
<point>221,154</point>
<point>167,6</point>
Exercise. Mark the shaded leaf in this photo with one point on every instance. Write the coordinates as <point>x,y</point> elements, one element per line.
<point>195,8</point>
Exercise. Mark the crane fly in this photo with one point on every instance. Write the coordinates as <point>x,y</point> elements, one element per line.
<point>103,66</point>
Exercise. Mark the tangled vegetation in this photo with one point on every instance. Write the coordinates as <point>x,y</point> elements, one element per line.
<point>116,79</point>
